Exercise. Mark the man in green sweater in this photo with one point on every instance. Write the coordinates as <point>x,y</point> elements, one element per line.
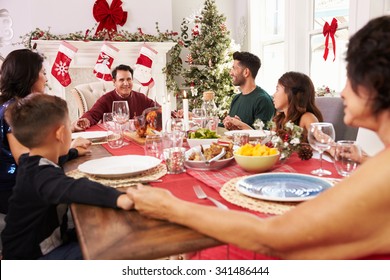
<point>253,102</point>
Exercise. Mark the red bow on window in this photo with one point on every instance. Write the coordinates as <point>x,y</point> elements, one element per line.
<point>330,30</point>
<point>109,16</point>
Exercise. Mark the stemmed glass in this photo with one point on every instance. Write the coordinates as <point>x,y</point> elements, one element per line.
<point>321,137</point>
<point>347,157</point>
<point>120,111</point>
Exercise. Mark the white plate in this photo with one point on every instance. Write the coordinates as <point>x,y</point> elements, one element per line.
<point>91,135</point>
<point>119,166</point>
<point>252,133</point>
<point>282,186</point>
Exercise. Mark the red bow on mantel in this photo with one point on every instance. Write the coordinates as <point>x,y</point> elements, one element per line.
<point>109,16</point>
<point>330,30</point>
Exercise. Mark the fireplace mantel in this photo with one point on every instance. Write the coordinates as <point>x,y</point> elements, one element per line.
<point>81,67</point>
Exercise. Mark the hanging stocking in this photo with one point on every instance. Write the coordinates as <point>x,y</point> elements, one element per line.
<point>103,64</point>
<point>60,69</point>
<point>143,67</point>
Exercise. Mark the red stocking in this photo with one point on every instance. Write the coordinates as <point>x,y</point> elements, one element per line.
<point>60,69</point>
<point>103,64</point>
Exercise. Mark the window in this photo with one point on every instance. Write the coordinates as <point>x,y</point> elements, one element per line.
<point>331,72</point>
<point>268,41</point>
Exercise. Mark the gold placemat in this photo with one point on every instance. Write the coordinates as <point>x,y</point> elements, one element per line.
<point>152,174</point>
<point>231,194</point>
<point>132,135</point>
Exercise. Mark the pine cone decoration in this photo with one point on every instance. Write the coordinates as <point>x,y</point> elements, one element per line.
<point>305,152</point>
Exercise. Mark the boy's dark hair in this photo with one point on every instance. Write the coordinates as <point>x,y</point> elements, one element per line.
<point>31,118</point>
<point>368,61</point>
<point>19,72</point>
<point>123,68</point>
<point>248,60</point>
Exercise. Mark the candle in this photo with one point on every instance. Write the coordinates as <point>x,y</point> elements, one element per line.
<point>164,114</point>
<point>185,111</point>
<point>168,112</point>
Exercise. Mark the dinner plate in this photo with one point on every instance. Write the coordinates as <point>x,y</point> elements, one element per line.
<point>282,186</point>
<point>252,133</point>
<point>91,135</point>
<point>201,165</point>
<point>119,166</point>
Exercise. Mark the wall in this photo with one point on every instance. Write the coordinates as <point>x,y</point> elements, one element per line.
<point>76,15</point>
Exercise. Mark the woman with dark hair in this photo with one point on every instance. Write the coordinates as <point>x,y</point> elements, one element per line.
<point>22,73</point>
<point>351,220</point>
<point>294,100</point>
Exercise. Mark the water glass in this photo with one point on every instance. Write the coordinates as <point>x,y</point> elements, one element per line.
<point>114,136</point>
<point>240,138</point>
<point>174,160</point>
<point>108,119</point>
<point>199,117</point>
<point>347,157</point>
<point>153,146</point>
<point>212,123</point>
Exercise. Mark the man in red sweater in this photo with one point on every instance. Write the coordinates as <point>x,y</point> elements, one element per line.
<point>123,81</point>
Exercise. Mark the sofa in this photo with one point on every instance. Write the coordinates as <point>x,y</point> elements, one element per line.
<point>332,109</point>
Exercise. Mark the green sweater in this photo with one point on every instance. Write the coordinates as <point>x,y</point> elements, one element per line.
<point>250,107</point>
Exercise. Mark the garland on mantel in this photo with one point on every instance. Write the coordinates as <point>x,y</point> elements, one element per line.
<point>103,35</point>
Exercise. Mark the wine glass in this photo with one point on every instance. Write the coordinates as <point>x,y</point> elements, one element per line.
<point>120,111</point>
<point>321,137</point>
<point>347,157</point>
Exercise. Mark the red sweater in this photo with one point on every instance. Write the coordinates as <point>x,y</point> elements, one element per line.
<point>138,102</point>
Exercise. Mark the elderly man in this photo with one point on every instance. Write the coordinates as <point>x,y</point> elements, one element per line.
<point>253,102</point>
<point>123,81</point>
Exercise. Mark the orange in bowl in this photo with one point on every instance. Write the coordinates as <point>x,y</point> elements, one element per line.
<point>256,158</point>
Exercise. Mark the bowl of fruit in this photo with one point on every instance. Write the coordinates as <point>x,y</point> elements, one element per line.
<point>256,158</point>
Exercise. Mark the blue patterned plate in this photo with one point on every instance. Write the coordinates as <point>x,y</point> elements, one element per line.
<point>282,186</point>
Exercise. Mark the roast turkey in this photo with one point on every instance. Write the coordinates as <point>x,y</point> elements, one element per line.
<point>151,119</point>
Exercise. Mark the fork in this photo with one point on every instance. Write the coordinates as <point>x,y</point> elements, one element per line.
<point>202,195</point>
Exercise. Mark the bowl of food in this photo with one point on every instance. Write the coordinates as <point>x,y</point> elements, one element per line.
<point>256,158</point>
<point>196,157</point>
<point>202,136</point>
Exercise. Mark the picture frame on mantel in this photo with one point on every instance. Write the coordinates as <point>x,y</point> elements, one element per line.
<point>81,67</point>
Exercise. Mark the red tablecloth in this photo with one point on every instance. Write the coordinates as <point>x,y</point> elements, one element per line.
<point>211,181</point>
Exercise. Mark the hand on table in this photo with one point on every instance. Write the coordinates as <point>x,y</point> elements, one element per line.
<point>152,202</point>
<point>82,145</point>
<point>80,124</point>
<point>235,123</point>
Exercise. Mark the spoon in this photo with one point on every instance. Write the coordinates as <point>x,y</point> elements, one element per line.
<point>217,157</point>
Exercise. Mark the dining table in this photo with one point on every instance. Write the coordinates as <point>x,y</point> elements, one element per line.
<point>106,233</point>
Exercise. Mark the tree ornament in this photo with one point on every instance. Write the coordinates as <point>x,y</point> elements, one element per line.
<point>195,30</point>
<point>194,91</point>
<point>189,60</point>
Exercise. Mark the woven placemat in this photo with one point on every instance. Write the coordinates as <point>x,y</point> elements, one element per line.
<point>152,174</point>
<point>231,194</point>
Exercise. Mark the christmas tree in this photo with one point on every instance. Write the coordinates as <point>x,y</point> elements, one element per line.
<point>209,59</point>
